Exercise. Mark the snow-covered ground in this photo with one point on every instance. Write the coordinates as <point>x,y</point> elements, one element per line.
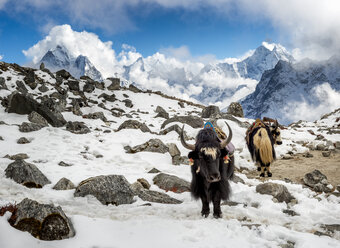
<point>257,221</point>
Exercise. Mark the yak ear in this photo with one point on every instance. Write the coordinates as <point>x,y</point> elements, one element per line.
<point>224,152</point>
<point>193,155</point>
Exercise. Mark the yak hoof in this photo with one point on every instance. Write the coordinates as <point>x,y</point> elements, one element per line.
<point>262,174</point>
<point>258,168</point>
<point>205,214</point>
<point>217,215</point>
<point>269,174</point>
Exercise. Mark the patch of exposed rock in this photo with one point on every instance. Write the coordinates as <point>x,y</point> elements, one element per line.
<point>153,145</point>
<point>171,183</point>
<point>278,191</point>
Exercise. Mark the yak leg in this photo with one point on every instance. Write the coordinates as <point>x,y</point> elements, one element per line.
<point>262,170</point>
<point>205,206</point>
<point>269,174</point>
<point>217,204</point>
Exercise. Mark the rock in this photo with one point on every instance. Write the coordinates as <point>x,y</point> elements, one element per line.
<point>133,124</point>
<point>177,160</point>
<point>63,74</point>
<point>73,85</point>
<point>193,121</point>
<point>173,150</point>
<point>21,87</point>
<point>181,104</point>
<point>34,117</point>
<point>43,88</point>
<point>64,184</point>
<point>152,196</point>
<point>89,87</point>
<point>134,89</point>
<point>320,147</point>
<point>211,112</point>
<point>77,127</point>
<point>308,155</point>
<point>175,128</point>
<point>278,191</point>
<point>26,174</point>
<point>43,221</point>
<point>317,181</point>
<point>287,157</point>
<point>326,154</point>
<point>29,79</point>
<point>107,97</point>
<point>23,140</point>
<point>30,127</point>
<point>62,163</point>
<point>153,145</point>
<point>237,179</point>
<point>96,115</point>
<point>161,113</point>
<point>111,189</point>
<point>235,109</point>
<point>23,104</point>
<point>3,85</point>
<point>171,183</point>
<point>290,212</point>
<point>337,187</point>
<point>42,66</point>
<point>1,138</point>
<point>319,137</point>
<point>144,183</point>
<point>128,103</point>
<point>154,170</point>
<point>98,85</point>
<point>115,85</point>
<point>18,156</point>
<point>337,145</point>
<point>331,228</point>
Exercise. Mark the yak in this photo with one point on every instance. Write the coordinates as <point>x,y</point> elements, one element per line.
<point>212,167</point>
<point>260,142</point>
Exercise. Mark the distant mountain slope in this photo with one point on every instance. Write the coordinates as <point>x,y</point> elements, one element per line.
<point>283,88</point>
<point>59,58</point>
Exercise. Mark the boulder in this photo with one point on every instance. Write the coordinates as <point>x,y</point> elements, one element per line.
<point>23,104</point>
<point>64,184</point>
<point>115,85</point>
<point>211,112</point>
<point>235,109</point>
<point>171,183</point>
<point>18,156</point>
<point>43,88</point>
<point>29,79</point>
<point>144,183</point>
<point>62,163</point>
<point>26,127</point>
<point>173,150</point>
<point>152,196</point>
<point>317,181</point>
<point>154,170</point>
<point>133,124</point>
<point>153,145</point>
<point>89,87</point>
<point>63,74</point>
<point>96,115</point>
<point>109,98</point>
<point>175,128</point>
<point>111,189</point>
<point>34,117</point>
<point>237,179</point>
<point>26,174</point>
<point>161,113</point>
<point>73,85</point>
<point>326,154</point>
<point>134,89</point>
<point>3,85</point>
<point>43,221</point>
<point>278,191</point>
<point>21,87</point>
<point>128,103</point>
<point>77,127</point>
<point>193,121</point>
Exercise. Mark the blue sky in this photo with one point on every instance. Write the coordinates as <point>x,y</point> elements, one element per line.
<point>223,28</point>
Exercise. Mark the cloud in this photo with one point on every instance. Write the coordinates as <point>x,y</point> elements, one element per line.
<point>1,57</point>
<point>325,100</point>
<point>100,53</point>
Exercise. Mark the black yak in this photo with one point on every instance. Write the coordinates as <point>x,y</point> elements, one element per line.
<point>260,141</point>
<point>212,167</point>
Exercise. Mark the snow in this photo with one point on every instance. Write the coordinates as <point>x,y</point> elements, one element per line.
<point>158,225</point>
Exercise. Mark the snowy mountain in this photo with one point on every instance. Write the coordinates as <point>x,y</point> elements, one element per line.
<point>101,123</point>
<point>286,91</point>
<point>59,58</point>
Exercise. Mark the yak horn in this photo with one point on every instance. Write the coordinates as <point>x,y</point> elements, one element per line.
<point>184,143</point>
<point>227,140</point>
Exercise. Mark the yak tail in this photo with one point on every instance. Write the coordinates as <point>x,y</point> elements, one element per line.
<point>264,146</point>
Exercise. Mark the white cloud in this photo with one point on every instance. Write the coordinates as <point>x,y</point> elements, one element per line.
<point>100,53</point>
<point>1,57</point>
<point>325,100</point>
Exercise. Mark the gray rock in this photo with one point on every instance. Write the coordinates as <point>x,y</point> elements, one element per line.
<point>64,184</point>
<point>115,85</point>
<point>111,189</point>
<point>18,156</point>
<point>23,104</point>
<point>152,196</point>
<point>26,127</point>
<point>338,188</point>
<point>175,128</point>
<point>337,145</point>
<point>42,66</point>
<point>73,85</point>
<point>177,160</point>
<point>26,174</point>
<point>96,115</point>
<point>1,138</point>
<point>134,89</point>
<point>235,109</point>
<point>317,181</point>
<point>320,147</point>
<point>287,157</point>
<point>128,103</point>
<point>34,117</point>
<point>43,221</point>
<point>77,127</point>
<point>308,155</point>
<point>109,98</point>
<point>144,183</point>
<point>211,112</point>
<point>21,87</point>
<point>133,124</point>
<point>30,79</point>
<point>3,85</point>
<point>89,87</point>
<point>193,121</point>
<point>278,191</point>
<point>161,113</point>
<point>237,179</point>
<point>43,88</point>
<point>171,183</point>
<point>173,150</point>
<point>99,85</point>
<point>154,170</point>
<point>62,163</point>
<point>153,145</point>
<point>326,154</point>
<point>181,104</point>
<point>290,212</point>
<point>63,74</point>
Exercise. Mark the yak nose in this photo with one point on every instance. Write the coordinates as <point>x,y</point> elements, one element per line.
<point>215,177</point>
<point>279,142</point>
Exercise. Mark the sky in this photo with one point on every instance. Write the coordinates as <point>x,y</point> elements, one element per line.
<point>192,29</point>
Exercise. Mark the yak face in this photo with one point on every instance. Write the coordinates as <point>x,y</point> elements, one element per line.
<point>208,161</point>
<point>276,133</point>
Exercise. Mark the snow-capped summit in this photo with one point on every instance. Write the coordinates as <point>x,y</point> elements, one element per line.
<point>59,58</point>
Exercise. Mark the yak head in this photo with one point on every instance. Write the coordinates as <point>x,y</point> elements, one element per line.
<point>276,133</point>
<point>208,153</point>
